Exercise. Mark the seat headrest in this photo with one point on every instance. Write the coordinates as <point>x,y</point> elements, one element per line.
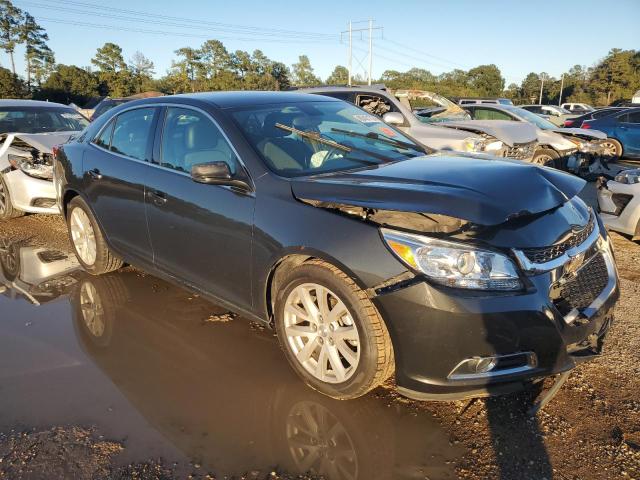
<point>200,136</point>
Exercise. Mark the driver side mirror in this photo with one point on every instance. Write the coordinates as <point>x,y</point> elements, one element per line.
<point>393,118</point>
<point>217,173</point>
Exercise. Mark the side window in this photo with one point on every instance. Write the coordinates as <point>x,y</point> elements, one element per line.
<point>375,105</point>
<point>190,138</point>
<point>104,138</point>
<point>490,114</point>
<point>623,118</point>
<point>132,132</point>
<point>633,117</point>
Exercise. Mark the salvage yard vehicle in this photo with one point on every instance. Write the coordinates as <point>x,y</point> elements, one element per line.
<point>570,149</point>
<point>28,131</point>
<point>556,115</point>
<point>623,130</point>
<point>619,202</point>
<point>485,100</point>
<point>369,253</point>
<point>395,108</point>
<point>578,108</point>
<point>603,112</point>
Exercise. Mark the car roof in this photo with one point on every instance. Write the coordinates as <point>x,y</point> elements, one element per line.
<point>31,103</point>
<point>241,98</point>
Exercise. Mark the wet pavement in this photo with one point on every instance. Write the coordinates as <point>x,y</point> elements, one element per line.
<point>171,376</point>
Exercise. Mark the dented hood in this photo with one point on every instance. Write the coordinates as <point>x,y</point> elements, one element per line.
<point>508,131</point>
<point>484,192</point>
<point>581,133</point>
<point>43,142</point>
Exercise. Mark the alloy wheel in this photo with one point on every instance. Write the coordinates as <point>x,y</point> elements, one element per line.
<point>319,443</point>
<point>3,198</point>
<point>83,236</point>
<point>91,308</point>
<point>610,149</point>
<point>321,333</point>
<point>543,160</point>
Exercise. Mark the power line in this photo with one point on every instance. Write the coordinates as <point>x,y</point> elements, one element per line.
<point>165,33</point>
<point>234,28</point>
<point>424,54</point>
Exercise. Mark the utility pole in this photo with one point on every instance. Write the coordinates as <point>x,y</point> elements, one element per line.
<point>350,52</point>
<point>561,87</point>
<point>370,48</point>
<point>370,28</point>
<point>541,87</point>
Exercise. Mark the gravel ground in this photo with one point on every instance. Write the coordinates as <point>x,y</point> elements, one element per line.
<point>590,430</point>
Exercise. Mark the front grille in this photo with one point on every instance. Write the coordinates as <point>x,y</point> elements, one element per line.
<point>546,254</point>
<point>521,151</point>
<point>581,291</point>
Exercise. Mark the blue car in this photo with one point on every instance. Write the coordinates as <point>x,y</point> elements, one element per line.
<point>623,130</point>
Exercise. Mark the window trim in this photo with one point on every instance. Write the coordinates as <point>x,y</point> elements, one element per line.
<point>161,106</point>
<point>110,123</point>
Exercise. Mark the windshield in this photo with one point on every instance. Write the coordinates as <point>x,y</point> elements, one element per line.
<point>531,117</point>
<point>309,138</point>
<point>40,120</point>
<point>429,107</point>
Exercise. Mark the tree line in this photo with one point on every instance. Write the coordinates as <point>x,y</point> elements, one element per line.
<point>212,67</point>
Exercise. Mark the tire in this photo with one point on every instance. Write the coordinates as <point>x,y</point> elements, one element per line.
<point>10,260</point>
<point>373,351</point>
<point>545,157</point>
<point>7,210</point>
<point>104,260</point>
<point>613,148</point>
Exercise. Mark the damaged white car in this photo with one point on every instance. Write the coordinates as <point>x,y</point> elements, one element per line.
<point>619,202</point>
<point>29,130</point>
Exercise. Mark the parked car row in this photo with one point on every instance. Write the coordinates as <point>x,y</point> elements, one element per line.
<point>377,241</point>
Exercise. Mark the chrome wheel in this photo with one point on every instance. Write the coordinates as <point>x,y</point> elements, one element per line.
<point>319,443</point>
<point>92,311</point>
<point>83,236</point>
<point>610,149</point>
<point>543,160</point>
<point>321,333</point>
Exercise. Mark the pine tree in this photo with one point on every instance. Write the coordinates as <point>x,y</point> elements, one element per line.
<point>10,29</point>
<point>35,40</point>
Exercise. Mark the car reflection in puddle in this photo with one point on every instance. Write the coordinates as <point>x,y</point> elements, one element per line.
<point>222,394</point>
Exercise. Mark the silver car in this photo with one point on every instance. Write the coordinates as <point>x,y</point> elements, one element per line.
<point>502,139</point>
<point>28,132</point>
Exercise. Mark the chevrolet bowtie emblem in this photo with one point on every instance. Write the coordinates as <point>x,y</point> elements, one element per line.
<point>573,264</point>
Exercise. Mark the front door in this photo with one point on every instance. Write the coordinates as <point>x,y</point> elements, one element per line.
<point>200,233</point>
<point>115,169</point>
<point>628,131</point>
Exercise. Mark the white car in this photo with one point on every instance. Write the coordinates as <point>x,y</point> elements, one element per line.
<point>28,132</point>
<point>578,108</point>
<point>619,202</point>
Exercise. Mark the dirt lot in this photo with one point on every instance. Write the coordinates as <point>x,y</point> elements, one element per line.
<point>155,402</point>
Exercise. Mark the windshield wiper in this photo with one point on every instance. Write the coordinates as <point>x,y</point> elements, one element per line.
<point>314,136</point>
<point>378,137</point>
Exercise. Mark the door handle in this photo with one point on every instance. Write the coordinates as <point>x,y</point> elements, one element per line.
<point>95,174</point>
<point>158,198</point>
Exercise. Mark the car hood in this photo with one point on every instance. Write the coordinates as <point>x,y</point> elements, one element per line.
<point>581,133</point>
<point>484,191</point>
<point>509,132</point>
<point>44,142</point>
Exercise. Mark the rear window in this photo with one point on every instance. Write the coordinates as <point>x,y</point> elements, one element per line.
<point>40,120</point>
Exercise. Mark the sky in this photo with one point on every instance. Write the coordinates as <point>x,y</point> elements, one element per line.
<point>518,36</point>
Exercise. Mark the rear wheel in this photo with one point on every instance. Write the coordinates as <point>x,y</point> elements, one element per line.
<point>546,157</point>
<point>7,210</point>
<point>331,333</point>
<point>88,241</point>
<point>612,148</point>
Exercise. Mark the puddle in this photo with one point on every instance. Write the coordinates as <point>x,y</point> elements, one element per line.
<point>143,362</point>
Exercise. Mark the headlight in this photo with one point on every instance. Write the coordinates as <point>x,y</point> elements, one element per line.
<point>628,176</point>
<point>41,168</point>
<point>584,146</point>
<point>453,264</point>
<point>493,146</point>
<point>473,144</point>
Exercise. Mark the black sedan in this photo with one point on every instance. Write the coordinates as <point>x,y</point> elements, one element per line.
<point>576,122</point>
<point>465,276</point>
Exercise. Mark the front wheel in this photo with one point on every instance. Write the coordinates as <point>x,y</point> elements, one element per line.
<point>331,333</point>
<point>612,149</point>
<point>7,210</point>
<point>546,157</point>
<point>88,241</point>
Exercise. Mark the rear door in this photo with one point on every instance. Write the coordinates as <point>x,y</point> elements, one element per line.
<point>115,168</point>
<point>628,132</point>
<point>200,233</point>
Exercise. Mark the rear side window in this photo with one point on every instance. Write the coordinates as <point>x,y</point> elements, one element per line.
<point>132,132</point>
<point>190,138</point>
<point>633,117</point>
<point>490,114</point>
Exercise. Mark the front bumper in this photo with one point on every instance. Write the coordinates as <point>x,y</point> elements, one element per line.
<point>434,329</point>
<point>619,205</point>
<point>30,194</point>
